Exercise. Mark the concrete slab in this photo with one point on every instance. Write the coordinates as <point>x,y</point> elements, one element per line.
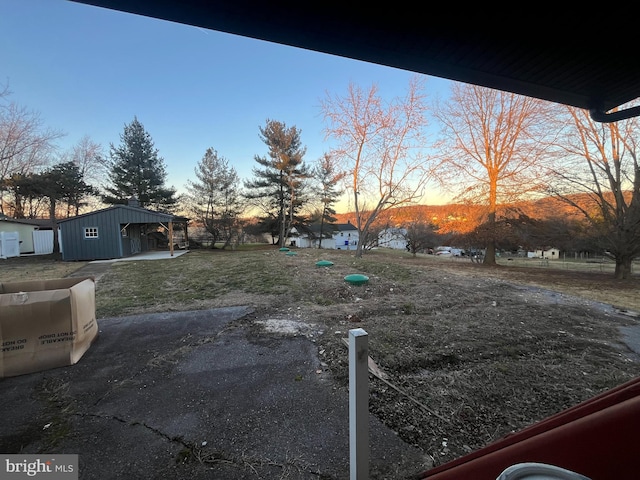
<point>154,255</point>
<point>97,268</point>
<point>196,395</point>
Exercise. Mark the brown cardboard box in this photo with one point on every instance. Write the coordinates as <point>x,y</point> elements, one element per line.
<point>45,324</point>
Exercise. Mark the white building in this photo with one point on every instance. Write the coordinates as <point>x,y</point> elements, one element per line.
<point>549,253</point>
<point>340,236</point>
<point>23,229</point>
<point>395,238</point>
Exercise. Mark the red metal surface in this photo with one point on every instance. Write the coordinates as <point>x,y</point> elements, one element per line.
<point>598,438</point>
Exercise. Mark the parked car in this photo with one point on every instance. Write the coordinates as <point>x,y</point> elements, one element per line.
<point>449,251</point>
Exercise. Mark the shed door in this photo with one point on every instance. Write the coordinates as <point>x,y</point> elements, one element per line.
<point>134,236</point>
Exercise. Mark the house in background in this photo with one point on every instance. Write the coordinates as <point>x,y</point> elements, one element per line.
<point>42,236</point>
<point>24,230</point>
<point>339,236</point>
<point>395,238</point>
<point>548,252</point>
<point>116,232</point>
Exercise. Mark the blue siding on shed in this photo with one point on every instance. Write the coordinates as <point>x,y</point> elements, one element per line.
<point>109,222</point>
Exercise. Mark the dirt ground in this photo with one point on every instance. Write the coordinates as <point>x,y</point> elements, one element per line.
<point>470,354</point>
<point>467,354</point>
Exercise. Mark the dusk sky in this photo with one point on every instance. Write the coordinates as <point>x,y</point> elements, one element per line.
<point>89,71</point>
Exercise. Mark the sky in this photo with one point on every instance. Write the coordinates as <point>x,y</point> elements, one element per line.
<point>90,71</point>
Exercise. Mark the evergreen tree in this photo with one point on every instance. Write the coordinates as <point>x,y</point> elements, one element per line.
<point>280,177</point>
<point>61,183</point>
<point>65,182</point>
<point>21,191</point>
<point>215,199</point>
<point>137,171</point>
<point>328,177</point>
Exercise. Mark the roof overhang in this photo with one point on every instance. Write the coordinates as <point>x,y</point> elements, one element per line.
<point>552,56</point>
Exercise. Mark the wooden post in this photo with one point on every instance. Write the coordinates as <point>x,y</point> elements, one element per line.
<point>186,232</point>
<point>358,404</point>
<point>171,237</point>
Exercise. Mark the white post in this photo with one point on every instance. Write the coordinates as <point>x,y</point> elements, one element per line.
<point>358,404</point>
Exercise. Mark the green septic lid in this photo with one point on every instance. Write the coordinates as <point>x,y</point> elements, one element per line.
<point>324,263</point>
<point>284,249</point>
<point>356,279</point>
<point>291,254</point>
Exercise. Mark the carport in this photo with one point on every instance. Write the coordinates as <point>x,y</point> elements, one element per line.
<point>118,231</point>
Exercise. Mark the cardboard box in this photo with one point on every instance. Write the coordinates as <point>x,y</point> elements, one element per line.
<point>45,324</point>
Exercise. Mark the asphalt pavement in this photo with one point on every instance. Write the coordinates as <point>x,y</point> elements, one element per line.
<point>195,395</point>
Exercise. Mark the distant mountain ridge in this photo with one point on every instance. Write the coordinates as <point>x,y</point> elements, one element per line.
<point>463,218</point>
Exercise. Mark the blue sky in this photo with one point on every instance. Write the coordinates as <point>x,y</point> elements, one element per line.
<point>89,71</point>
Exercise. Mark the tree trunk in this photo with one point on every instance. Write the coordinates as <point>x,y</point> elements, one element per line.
<point>321,229</point>
<point>281,239</point>
<point>359,249</point>
<point>54,222</point>
<point>623,268</point>
<point>358,219</point>
<point>490,254</point>
<point>282,213</point>
<point>19,208</point>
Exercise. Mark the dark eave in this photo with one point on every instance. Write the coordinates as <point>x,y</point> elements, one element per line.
<point>584,60</point>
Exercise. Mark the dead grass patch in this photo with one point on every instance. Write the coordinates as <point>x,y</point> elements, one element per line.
<point>36,267</point>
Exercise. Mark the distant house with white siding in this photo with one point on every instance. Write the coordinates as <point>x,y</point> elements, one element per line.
<point>548,252</point>
<point>339,236</point>
<point>24,228</point>
<point>395,238</point>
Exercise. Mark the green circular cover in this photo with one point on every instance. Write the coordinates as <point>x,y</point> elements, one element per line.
<point>356,279</point>
<point>284,249</point>
<point>291,253</point>
<point>324,263</point>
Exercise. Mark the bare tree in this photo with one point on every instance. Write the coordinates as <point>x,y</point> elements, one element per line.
<point>601,178</point>
<point>420,236</point>
<point>88,157</point>
<point>380,146</point>
<point>495,148</point>
<point>25,144</point>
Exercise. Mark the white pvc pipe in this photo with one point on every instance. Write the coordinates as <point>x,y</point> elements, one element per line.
<point>358,404</point>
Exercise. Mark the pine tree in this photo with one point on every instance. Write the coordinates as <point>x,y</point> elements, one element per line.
<point>214,198</point>
<point>137,171</point>
<point>278,185</point>
<point>61,183</point>
<point>328,176</point>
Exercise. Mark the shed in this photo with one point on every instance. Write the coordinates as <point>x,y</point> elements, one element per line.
<point>115,232</point>
<point>24,228</point>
